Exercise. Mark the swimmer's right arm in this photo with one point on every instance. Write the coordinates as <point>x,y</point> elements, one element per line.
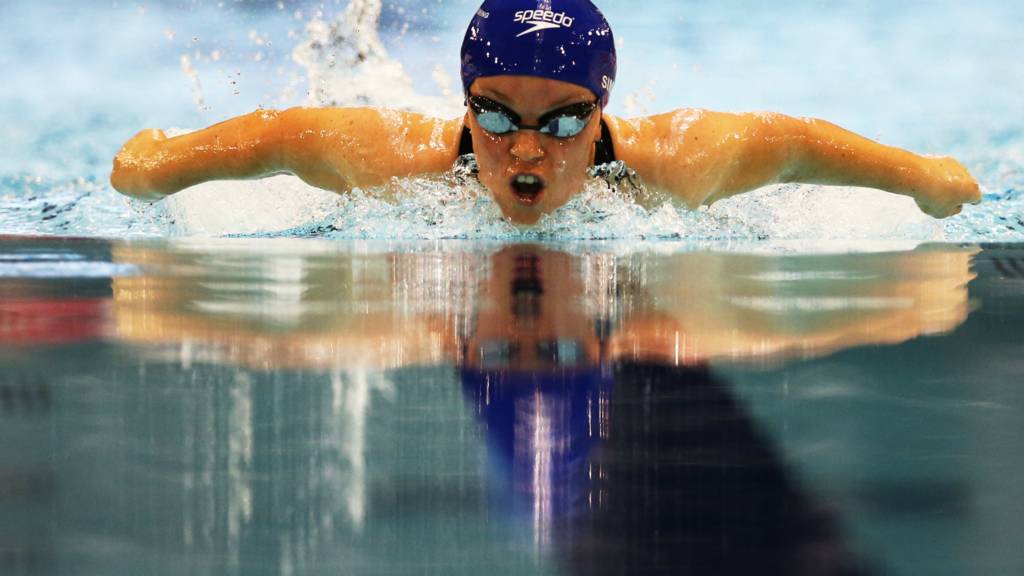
<point>336,149</point>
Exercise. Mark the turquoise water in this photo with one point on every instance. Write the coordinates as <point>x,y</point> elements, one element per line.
<point>935,77</point>
<point>324,407</point>
<point>262,378</point>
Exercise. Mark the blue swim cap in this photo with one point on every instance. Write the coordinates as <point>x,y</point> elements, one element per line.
<point>567,40</point>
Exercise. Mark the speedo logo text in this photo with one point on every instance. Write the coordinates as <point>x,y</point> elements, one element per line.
<point>542,20</point>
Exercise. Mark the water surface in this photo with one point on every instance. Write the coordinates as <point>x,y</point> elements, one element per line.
<point>314,407</point>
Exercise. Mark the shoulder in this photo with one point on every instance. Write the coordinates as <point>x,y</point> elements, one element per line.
<point>400,142</point>
<point>687,129</point>
<point>644,139</point>
<point>680,121</point>
<point>378,120</point>
<point>651,131</point>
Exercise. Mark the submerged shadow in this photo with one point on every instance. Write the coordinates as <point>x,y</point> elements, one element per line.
<point>686,481</point>
<point>625,464</point>
<point>649,469</point>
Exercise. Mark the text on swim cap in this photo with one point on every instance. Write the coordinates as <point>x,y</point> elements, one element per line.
<point>542,20</point>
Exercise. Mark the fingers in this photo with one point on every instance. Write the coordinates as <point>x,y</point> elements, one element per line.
<point>940,211</point>
<point>952,211</point>
<point>977,195</point>
<point>950,192</point>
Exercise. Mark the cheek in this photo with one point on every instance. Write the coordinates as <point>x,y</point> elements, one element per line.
<point>490,169</point>
<point>490,157</point>
<point>570,161</point>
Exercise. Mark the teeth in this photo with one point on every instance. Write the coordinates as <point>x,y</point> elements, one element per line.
<point>527,179</point>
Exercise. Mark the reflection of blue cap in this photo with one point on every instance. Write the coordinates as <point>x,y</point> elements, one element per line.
<point>541,427</point>
<point>567,40</point>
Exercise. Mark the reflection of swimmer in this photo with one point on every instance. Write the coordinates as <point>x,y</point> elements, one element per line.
<point>708,306</point>
<point>530,315</point>
<point>532,369</point>
<point>537,76</point>
<point>626,467</point>
<point>646,468</point>
<point>265,313</point>
<point>541,427</point>
<point>532,308</point>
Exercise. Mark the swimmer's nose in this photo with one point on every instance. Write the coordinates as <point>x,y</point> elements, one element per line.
<point>526,146</point>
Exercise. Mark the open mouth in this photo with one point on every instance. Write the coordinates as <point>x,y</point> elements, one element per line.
<point>527,188</point>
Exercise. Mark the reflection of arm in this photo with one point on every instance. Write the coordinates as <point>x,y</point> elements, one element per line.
<point>744,308</point>
<point>227,318</point>
<point>702,156</point>
<point>332,148</point>
<point>375,343</point>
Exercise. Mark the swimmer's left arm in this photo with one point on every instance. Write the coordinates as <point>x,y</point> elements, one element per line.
<point>701,157</point>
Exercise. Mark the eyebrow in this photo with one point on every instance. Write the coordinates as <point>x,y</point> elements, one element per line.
<point>497,96</point>
<point>568,101</point>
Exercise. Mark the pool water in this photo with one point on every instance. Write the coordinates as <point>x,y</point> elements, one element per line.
<point>264,378</point>
<point>277,406</point>
<point>934,77</point>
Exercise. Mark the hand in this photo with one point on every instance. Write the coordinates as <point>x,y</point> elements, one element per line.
<point>952,186</point>
<point>135,164</point>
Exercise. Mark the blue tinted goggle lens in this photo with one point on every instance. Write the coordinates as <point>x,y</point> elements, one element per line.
<point>563,123</point>
<point>495,122</point>
<point>565,126</point>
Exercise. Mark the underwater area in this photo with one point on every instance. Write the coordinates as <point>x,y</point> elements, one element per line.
<point>262,377</point>
<point>298,406</point>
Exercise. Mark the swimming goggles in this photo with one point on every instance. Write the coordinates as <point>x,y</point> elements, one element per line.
<point>498,119</point>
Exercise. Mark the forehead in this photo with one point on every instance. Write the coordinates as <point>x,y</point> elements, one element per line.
<point>530,92</point>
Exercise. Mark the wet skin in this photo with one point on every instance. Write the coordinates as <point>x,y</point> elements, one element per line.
<point>560,163</point>
<point>696,157</point>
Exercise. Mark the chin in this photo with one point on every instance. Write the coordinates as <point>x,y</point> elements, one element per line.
<point>521,215</point>
<point>524,219</point>
<point>527,209</point>
<point>553,198</point>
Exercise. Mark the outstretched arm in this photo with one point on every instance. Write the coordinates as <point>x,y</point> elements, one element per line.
<point>332,148</point>
<point>701,157</point>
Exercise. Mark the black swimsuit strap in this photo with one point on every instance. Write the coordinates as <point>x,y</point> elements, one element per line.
<point>466,142</point>
<point>603,153</point>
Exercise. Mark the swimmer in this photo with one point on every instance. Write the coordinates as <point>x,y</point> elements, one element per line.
<point>537,76</point>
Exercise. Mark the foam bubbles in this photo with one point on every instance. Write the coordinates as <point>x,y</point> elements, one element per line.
<point>459,207</point>
<point>345,63</point>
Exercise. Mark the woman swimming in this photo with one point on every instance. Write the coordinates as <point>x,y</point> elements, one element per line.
<point>537,76</point>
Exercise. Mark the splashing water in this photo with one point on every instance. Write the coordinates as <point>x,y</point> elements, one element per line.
<point>346,64</point>
<point>344,61</point>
